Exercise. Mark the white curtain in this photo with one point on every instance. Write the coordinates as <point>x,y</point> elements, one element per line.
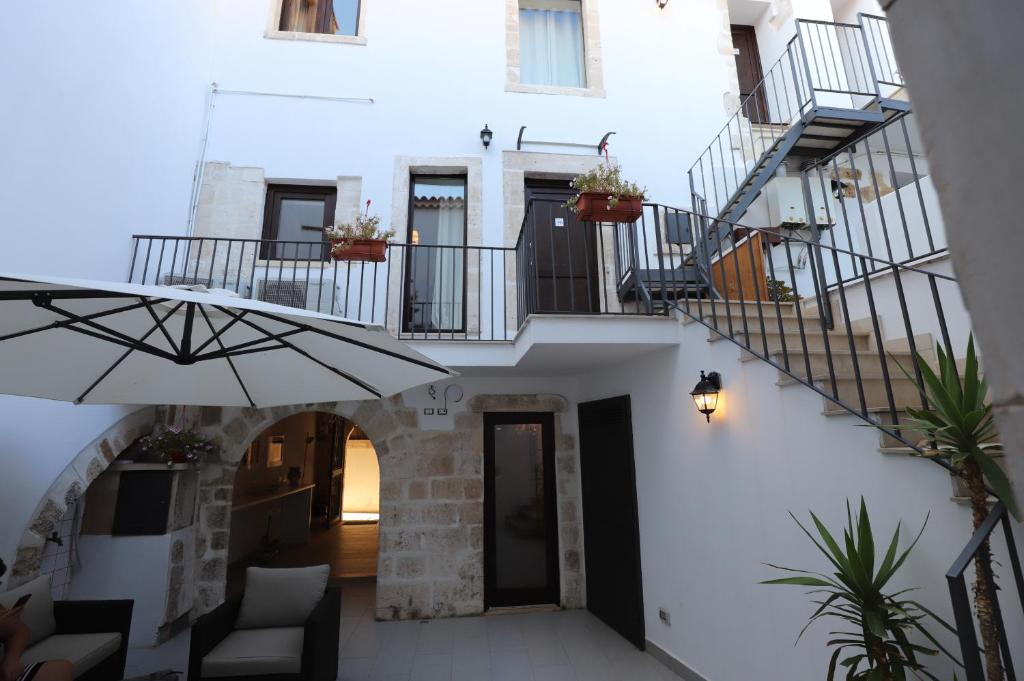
<point>447,267</point>
<point>551,48</point>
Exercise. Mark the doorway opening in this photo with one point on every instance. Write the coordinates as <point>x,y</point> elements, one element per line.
<point>520,517</point>
<point>289,504</point>
<point>750,73</point>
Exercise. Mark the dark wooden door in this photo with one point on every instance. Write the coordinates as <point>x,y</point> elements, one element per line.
<point>611,530</point>
<point>748,68</point>
<point>562,252</point>
<point>520,516</point>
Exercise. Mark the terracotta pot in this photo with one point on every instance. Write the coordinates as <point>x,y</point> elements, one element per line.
<point>593,207</point>
<point>362,250</point>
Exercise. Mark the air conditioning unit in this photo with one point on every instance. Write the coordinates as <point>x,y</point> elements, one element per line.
<point>787,208</point>
<point>307,294</point>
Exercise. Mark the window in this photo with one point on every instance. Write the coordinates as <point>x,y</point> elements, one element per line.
<point>551,43</point>
<point>332,17</point>
<point>294,221</point>
<point>435,267</point>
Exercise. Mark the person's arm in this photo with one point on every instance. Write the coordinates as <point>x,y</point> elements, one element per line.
<point>15,637</point>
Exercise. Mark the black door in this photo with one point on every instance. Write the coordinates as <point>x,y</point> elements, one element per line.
<point>748,68</point>
<point>611,531</point>
<point>562,252</point>
<point>520,522</point>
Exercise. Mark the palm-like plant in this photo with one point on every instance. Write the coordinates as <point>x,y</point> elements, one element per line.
<point>962,432</point>
<point>878,648</point>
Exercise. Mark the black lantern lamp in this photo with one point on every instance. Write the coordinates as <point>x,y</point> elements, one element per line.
<point>661,3</point>
<point>486,136</point>
<point>705,393</point>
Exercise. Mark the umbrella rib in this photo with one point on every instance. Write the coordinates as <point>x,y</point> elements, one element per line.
<point>365,386</point>
<point>352,341</point>
<point>124,356</point>
<point>160,323</point>
<point>241,383</point>
<point>216,335</point>
<point>68,322</point>
<point>125,339</point>
<point>245,348</point>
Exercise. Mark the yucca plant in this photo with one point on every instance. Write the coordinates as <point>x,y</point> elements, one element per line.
<point>961,431</point>
<point>875,643</point>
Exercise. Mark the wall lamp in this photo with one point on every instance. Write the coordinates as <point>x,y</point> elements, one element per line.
<point>486,136</point>
<point>705,393</point>
<point>661,3</point>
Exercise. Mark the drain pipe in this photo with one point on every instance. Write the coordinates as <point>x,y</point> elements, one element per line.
<point>211,100</point>
<point>197,172</point>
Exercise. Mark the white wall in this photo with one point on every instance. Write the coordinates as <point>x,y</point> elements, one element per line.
<point>103,108</point>
<point>714,502</point>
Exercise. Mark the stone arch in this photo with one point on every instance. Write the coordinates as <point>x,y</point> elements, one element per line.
<point>72,482</point>
<point>387,423</point>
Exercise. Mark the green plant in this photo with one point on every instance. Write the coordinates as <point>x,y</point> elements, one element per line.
<point>961,431</point>
<point>365,226</point>
<point>171,440</point>
<point>779,292</point>
<point>606,179</point>
<point>878,648</point>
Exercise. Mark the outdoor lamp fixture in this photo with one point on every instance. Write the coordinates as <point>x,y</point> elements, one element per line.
<point>486,136</point>
<point>661,3</point>
<point>705,393</point>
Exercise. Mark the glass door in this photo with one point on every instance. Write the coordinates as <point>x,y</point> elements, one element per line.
<point>520,531</point>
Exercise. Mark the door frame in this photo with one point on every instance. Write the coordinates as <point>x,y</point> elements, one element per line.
<point>762,102</point>
<point>638,637</point>
<point>548,188</point>
<point>552,592</point>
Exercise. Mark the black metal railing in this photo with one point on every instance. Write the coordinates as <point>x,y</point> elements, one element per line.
<point>559,265</point>
<point>877,197</point>
<point>825,64</point>
<point>962,612</point>
<point>419,291</point>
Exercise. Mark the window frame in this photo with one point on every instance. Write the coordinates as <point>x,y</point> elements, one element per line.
<point>406,321</point>
<point>272,216</point>
<point>593,65</point>
<point>274,31</point>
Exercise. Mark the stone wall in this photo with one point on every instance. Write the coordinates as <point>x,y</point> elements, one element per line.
<point>431,560</point>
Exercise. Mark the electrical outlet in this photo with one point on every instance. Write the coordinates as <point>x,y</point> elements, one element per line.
<point>442,412</point>
<point>665,616</point>
<point>428,411</point>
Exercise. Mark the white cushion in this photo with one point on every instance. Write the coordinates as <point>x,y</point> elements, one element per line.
<point>282,597</point>
<point>83,651</point>
<point>38,612</point>
<point>253,652</point>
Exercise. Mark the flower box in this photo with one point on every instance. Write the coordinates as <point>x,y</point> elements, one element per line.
<point>594,207</point>
<point>360,250</point>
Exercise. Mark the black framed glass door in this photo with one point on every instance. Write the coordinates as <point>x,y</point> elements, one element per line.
<point>520,517</point>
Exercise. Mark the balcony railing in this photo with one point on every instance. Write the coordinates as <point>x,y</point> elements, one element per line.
<point>558,265</point>
<point>826,65</point>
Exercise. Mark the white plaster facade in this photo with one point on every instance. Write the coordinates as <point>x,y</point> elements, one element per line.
<point>129,137</point>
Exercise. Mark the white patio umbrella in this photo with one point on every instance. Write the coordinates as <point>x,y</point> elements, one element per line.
<point>107,343</point>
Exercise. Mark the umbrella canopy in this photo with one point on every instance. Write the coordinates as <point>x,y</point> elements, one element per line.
<point>108,343</point>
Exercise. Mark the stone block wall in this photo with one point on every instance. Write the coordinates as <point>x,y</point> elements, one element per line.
<point>431,560</point>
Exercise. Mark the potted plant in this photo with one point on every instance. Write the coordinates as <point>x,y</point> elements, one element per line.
<point>362,240</point>
<point>173,444</point>
<point>874,644</point>
<point>604,196</point>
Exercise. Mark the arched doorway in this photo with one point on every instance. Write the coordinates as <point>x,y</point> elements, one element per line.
<point>288,499</point>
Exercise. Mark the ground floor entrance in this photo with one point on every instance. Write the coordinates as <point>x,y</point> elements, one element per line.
<point>520,517</point>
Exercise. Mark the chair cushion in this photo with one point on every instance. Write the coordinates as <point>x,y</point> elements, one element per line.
<point>38,612</point>
<point>255,652</point>
<point>83,651</point>
<point>282,597</point>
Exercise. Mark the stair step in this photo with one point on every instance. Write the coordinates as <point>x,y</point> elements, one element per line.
<point>868,363</point>
<point>794,342</point>
<point>909,451</point>
<point>904,391</point>
<point>881,415</point>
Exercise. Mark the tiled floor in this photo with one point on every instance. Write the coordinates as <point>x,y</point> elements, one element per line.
<point>568,645</point>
